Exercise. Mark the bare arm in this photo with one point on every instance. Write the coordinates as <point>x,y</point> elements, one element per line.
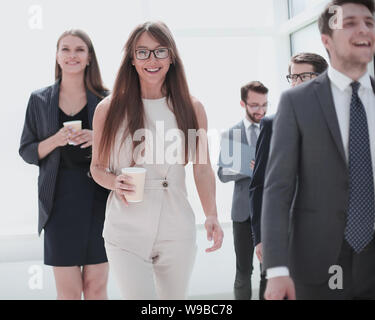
<point>100,171</point>
<point>205,181</point>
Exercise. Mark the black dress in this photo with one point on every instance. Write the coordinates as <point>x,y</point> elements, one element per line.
<point>73,233</point>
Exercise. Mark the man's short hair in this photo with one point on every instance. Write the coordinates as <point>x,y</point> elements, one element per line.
<point>325,17</point>
<point>318,63</point>
<point>255,86</point>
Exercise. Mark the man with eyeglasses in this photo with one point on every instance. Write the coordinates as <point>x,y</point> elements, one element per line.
<point>302,68</point>
<point>241,143</point>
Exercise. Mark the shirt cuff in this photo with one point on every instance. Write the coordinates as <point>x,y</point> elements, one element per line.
<point>277,272</point>
<point>229,172</point>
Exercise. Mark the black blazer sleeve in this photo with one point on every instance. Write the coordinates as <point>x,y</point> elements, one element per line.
<point>29,143</point>
<point>257,182</point>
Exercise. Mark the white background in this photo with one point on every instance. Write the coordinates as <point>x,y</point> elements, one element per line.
<point>223,43</point>
<point>219,43</point>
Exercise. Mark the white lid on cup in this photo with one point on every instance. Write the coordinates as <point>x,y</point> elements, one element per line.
<point>133,170</point>
<point>67,123</point>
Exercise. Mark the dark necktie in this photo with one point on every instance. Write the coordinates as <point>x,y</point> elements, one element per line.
<point>361,210</point>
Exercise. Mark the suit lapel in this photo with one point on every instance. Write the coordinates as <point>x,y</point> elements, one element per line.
<point>325,97</point>
<point>53,109</point>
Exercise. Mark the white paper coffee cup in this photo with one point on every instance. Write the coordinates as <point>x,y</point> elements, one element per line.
<point>76,125</point>
<point>139,177</point>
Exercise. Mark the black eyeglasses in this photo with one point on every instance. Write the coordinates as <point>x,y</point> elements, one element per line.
<point>304,76</point>
<point>159,53</point>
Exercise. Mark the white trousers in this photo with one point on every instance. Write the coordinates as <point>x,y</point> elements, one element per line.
<point>164,276</point>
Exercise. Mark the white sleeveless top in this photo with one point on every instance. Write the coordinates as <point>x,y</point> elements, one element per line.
<point>164,213</point>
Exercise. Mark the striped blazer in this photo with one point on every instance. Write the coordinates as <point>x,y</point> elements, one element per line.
<point>41,122</point>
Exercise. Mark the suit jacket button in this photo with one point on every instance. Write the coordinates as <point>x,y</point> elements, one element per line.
<point>165,184</point>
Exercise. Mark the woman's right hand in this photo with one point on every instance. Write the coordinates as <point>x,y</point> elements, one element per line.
<point>124,187</point>
<point>62,137</point>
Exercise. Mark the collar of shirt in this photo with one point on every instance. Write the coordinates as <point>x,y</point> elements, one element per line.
<point>342,82</point>
<point>247,123</point>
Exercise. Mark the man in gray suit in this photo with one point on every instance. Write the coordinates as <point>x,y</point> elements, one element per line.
<point>323,152</point>
<point>237,152</point>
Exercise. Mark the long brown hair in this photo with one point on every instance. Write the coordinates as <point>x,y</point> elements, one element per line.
<point>126,102</point>
<point>93,80</point>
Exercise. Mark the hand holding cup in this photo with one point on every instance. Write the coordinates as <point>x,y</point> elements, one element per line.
<point>73,127</point>
<point>83,137</point>
<point>124,187</point>
<point>62,137</point>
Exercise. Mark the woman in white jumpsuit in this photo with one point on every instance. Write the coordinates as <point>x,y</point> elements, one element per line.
<point>151,245</point>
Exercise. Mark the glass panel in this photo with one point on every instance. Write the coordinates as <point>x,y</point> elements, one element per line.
<point>298,6</point>
<point>308,40</point>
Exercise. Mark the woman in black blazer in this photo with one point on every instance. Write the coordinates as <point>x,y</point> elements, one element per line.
<point>71,204</point>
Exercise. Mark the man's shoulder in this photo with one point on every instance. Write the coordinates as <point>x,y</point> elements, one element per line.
<point>235,127</point>
<point>307,87</point>
<point>268,120</point>
<point>266,123</point>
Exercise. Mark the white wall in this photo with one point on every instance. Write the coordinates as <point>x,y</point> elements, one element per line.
<point>224,44</point>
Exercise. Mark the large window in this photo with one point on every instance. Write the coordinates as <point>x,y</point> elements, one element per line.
<point>297,7</point>
<point>303,27</point>
<point>308,39</point>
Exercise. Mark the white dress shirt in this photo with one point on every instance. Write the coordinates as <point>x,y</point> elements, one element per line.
<point>247,125</point>
<point>342,94</point>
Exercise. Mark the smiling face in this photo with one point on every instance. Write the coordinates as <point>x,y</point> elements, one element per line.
<point>255,106</point>
<point>353,46</point>
<point>151,71</point>
<point>72,55</point>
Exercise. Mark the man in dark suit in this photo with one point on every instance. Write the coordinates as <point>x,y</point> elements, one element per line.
<point>303,67</point>
<point>321,168</point>
<point>240,142</point>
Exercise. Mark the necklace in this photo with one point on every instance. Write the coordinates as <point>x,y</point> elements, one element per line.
<point>77,100</point>
<point>72,111</point>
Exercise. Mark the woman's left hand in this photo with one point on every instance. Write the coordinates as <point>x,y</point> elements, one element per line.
<point>214,232</point>
<point>83,137</point>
